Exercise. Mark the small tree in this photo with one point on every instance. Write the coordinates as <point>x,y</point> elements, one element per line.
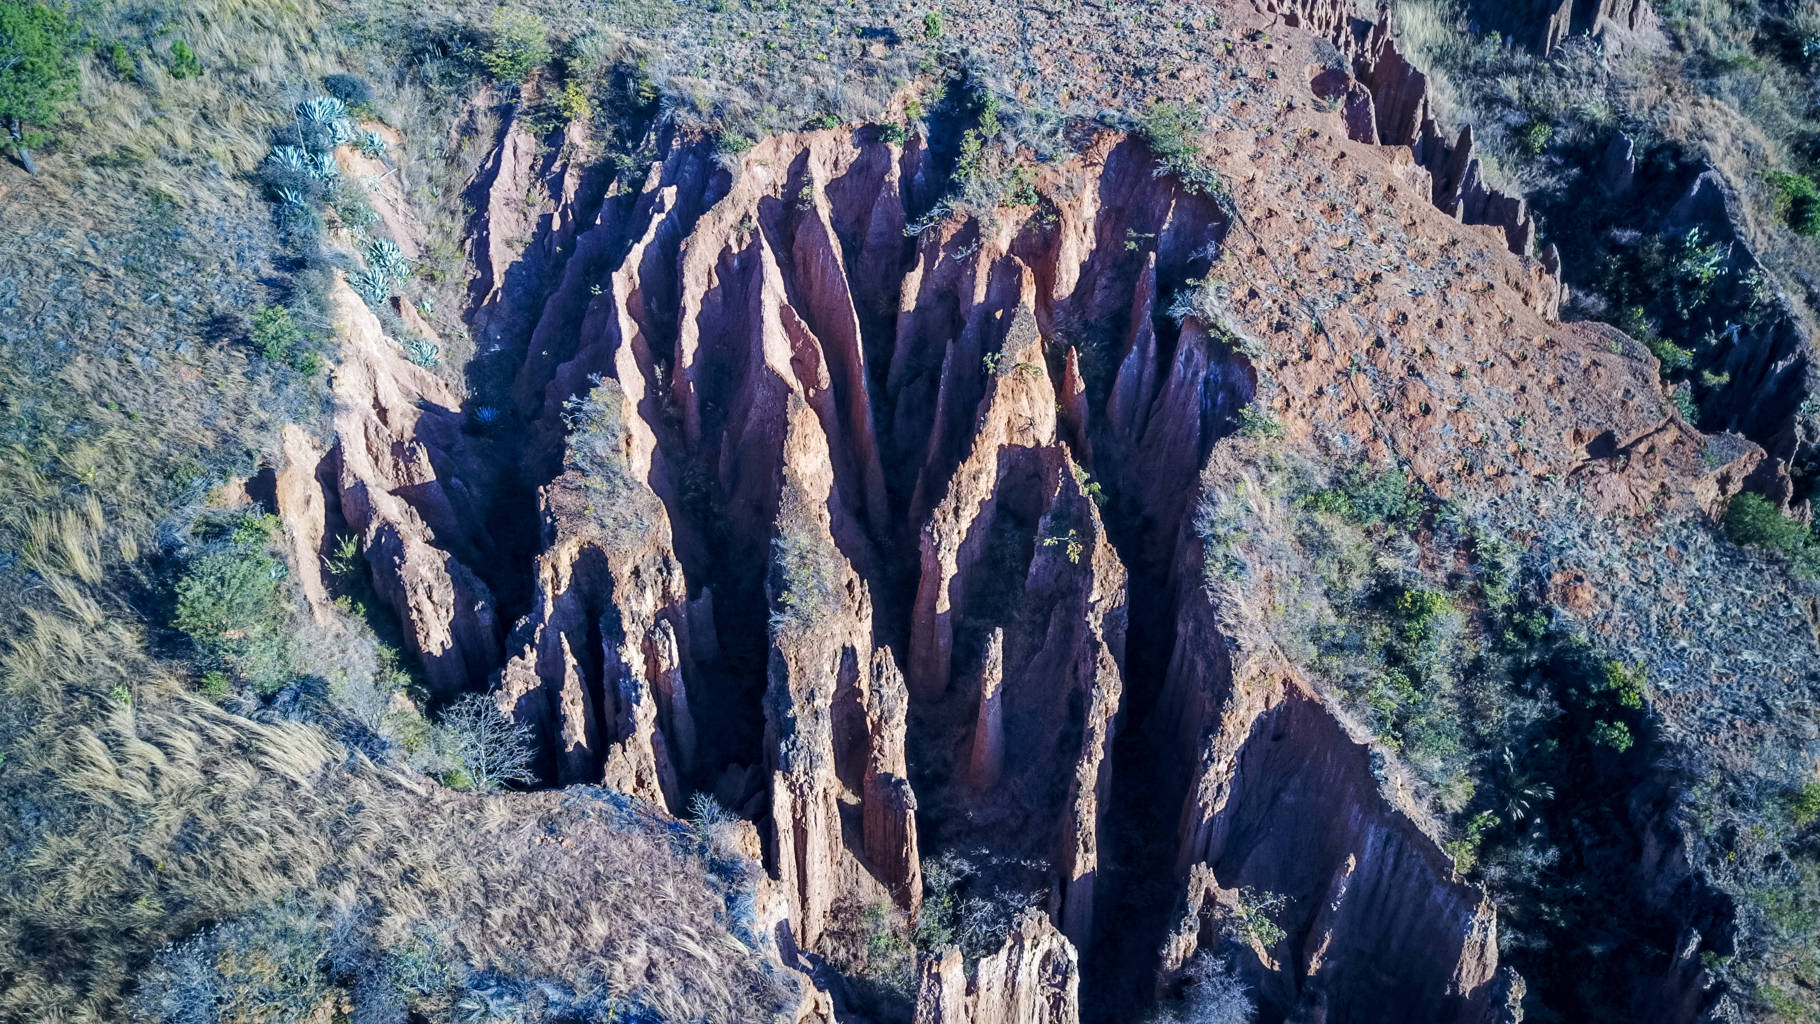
<point>37,72</point>
<point>486,747</point>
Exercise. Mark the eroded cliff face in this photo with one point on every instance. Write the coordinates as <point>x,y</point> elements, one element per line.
<point>883,538</point>
<point>1766,365</point>
<point>822,535</point>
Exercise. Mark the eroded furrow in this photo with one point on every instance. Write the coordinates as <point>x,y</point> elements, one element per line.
<point>880,539</point>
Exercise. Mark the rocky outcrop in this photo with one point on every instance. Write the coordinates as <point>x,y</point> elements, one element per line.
<point>1387,85</point>
<point>1032,979</point>
<point>400,487</point>
<point>760,378</point>
<point>1542,25</point>
<point>1275,756</point>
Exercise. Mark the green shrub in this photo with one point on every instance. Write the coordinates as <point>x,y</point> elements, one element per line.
<point>573,103</point>
<point>184,62</point>
<point>37,72</point>
<point>1368,498</point>
<point>1804,805</point>
<point>231,604</point>
<point>215,685</point>
<point>1465,849</point>
<point>275,334</point>
<point>520,44</point>
<point>932,25</point>
<point>1683,399</point>
<point>1615,735</point>
<point>1535,136</point>
<point>1672,356</point>
<point>120,61</point>
<point>1625,683</point>
<point>1419,608</point>
<point>1256,917</point>
<point>1258,424</point>
<point>1797,201</point>
<point>1754,520</point>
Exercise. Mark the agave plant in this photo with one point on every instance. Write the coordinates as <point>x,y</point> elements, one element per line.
<point>422,352</point>
<point>384,256</point>
<point>323,167</point>
<point>371,144</point>
<point>290,158</point>
<point>329,117</point>
<point>322,110</point>
<point>373,286</point>
<point>293,197</point>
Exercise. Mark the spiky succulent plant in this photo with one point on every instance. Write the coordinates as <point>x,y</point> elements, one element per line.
<point>421,352</point>
<point>384,256</point>
<point>372,285</point>
<point>322,110</point>
<point>290,158</point>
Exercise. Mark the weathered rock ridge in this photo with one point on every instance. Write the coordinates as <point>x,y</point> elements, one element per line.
<point>822,534</point>
<point>883,539</point>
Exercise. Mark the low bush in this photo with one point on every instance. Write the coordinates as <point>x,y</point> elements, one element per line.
<point>349,89</point>
<point>1754,520</point>
<point>518,45</point>
<point>184,62</point>
<point>1535,136</point>
<point>1797,201</point>
<point>275,334</point>
<point>268,965</point>
<point>870,944</point>
<point>231,602</point>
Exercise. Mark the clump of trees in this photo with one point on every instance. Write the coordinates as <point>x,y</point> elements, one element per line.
<point>37,73</point>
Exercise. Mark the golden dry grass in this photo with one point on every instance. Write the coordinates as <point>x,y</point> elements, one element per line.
<point>138,813</point>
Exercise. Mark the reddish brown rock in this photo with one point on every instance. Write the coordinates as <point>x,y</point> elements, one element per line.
<point>1033,979</point>
<point>398,437</point>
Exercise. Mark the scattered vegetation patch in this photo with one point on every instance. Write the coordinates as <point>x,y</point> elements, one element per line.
<point>803,581</point>
<point>1171,130</point>
<point>871,945</point>
<point>600,453</point>
<point>973,900</point>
